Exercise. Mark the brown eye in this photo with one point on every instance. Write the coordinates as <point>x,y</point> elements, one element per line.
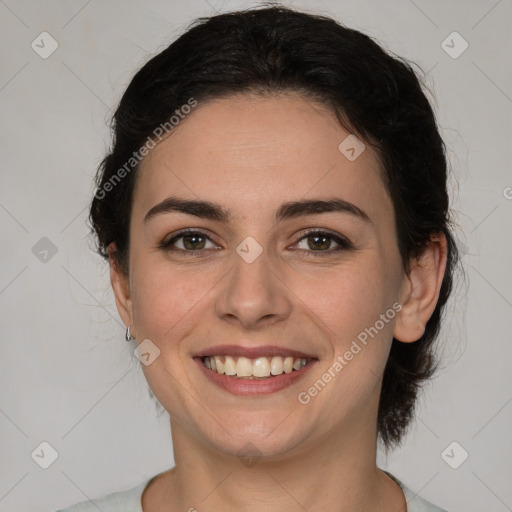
<point>322,243</point>
<point>193,242</point>
<point>188,241</point>
<point>318,242</point>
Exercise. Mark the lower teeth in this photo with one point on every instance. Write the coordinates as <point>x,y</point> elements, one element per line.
<point>252,377</point>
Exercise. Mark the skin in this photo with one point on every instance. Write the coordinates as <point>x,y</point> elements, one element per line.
<point>251,154</point>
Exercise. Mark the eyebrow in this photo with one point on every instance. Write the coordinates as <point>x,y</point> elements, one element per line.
<point>289,210</point>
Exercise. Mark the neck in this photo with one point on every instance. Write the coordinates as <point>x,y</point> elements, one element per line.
<point>337,474</point>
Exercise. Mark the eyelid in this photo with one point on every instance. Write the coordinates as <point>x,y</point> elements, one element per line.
<point>324,231</point>
<point>166,242</point>
<point>343,242</point>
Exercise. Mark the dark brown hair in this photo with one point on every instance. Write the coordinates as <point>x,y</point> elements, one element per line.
<point>379,96</point>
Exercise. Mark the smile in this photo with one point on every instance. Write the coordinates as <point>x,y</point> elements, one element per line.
<point>253,371</point>
<point>257,368</point>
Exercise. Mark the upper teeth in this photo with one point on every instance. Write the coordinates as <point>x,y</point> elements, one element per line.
<point>259,367</point>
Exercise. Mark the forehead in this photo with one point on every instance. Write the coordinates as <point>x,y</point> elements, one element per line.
<point>253,153</point>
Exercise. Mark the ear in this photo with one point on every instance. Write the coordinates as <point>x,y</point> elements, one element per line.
<point>420,290</point>
<point>120,286</point>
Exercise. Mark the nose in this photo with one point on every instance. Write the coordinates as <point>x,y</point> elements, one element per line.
<point>253,294</point>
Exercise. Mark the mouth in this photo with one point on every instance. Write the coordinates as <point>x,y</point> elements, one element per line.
<point>259,368</point>
<point>253,371</point>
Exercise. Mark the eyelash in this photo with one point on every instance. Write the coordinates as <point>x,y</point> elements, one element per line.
<point>344,244</point>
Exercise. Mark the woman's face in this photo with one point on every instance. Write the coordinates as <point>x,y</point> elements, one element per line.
<point>252,281</point>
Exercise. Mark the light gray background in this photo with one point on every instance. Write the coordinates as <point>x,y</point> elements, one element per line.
<point>67,375</point>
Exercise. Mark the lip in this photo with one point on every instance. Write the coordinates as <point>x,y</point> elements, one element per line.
<point>248,387</point>
<point>252,352</point>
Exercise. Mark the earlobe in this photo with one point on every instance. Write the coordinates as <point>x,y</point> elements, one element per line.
<point>421,290</point>
<point>120,287</point>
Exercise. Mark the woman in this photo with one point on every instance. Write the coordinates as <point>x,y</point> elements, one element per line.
<point>275,215</point>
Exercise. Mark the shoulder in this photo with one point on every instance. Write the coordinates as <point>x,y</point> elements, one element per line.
<point>415,503</point>
<point>122,501</point>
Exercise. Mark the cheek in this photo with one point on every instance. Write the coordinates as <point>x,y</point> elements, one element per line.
<point>350,308</point>
<point>346,299</point>
<point>167,301</point>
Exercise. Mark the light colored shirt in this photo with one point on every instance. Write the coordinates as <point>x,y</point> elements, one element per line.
<point>130,501</point>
